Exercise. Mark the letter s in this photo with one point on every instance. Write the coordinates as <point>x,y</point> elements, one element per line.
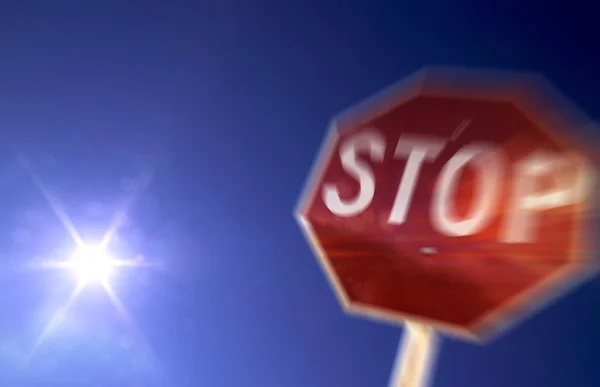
<point>371,142</point>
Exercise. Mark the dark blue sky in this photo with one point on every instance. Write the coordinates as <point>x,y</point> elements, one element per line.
<point>225,104</point>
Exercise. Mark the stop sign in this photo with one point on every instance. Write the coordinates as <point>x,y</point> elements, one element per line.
<point>456,199</point>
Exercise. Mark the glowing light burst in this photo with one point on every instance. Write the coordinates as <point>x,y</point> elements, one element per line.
<point>91,264</point>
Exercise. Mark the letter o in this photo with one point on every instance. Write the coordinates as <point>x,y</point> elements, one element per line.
<point>488,164</point>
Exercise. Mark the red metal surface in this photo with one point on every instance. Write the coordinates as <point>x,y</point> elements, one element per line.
<point>472,284</point>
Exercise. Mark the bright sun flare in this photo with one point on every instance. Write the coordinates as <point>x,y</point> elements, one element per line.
<point>91,264</point>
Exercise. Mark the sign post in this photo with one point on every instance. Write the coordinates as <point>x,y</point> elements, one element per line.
<point>415,356</point>
<point>456,202</point>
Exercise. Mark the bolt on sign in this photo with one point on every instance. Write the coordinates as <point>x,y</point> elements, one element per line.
<point>457,201</point>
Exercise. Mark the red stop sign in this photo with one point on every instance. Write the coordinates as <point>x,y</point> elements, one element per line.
<point>455,199</point>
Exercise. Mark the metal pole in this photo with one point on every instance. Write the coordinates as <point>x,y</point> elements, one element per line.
<point>415,357</point>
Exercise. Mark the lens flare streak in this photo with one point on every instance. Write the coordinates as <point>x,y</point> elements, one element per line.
<point>89,263</point>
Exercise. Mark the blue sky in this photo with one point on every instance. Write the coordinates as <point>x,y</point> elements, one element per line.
<point>224,104</point>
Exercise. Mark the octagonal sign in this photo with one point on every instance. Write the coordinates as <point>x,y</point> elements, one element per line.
<point>458,199</point>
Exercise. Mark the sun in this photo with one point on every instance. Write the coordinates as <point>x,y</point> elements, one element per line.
<point>91,264</point>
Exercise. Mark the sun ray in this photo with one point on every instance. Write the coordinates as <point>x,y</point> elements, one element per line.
<point>121,214</point>
<point>130,322</point>
<point>53,202</point>
<point>55,321</point>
